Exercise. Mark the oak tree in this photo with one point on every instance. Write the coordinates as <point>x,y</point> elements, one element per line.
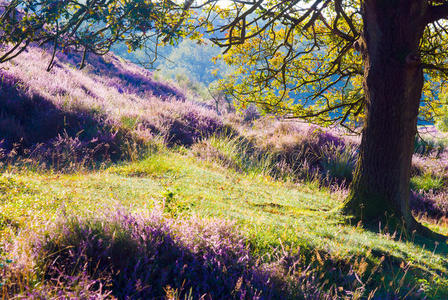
<point>374,63</point>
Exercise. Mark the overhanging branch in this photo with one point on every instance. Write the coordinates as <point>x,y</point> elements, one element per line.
<point>437,12</point>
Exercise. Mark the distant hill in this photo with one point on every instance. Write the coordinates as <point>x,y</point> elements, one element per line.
<point>189,64</point>
<point>108,103</point>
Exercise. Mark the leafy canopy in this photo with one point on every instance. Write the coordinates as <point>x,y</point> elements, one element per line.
<point>297,58</point>
<point>304,58</point>
<point>89,25</point>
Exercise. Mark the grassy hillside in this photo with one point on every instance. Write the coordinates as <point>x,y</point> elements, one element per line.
<point>294,233</point>
<point>115,185</point>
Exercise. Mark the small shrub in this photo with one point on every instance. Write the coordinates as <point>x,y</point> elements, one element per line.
<point>338,162</point>
<point>208,151</point>
<point>68,154</point>
<point>237,153</point>
<point>191,126</point>
<point>426,183</point>
<point>428,146</point>
<point>442,120</point>
<point>251,114</point>
<point>129,122</point>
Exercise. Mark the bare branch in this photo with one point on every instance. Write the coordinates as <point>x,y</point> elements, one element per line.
<point>437,12</point>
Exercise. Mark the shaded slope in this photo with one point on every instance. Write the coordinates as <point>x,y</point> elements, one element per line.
<point>104,108</point>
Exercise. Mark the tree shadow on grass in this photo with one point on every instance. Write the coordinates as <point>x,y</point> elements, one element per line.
<point>420,236</point>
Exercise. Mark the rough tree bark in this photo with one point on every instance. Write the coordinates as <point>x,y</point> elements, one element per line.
<point>393,82</point>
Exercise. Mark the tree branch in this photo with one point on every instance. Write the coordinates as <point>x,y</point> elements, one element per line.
<point>437,12</point>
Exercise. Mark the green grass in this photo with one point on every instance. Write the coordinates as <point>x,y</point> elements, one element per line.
<point>272,214</point>
<point>426,182</point>
<point>236,153</point>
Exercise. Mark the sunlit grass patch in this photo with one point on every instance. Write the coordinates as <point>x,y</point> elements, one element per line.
<point>426,183</point>
<point>271,215</point>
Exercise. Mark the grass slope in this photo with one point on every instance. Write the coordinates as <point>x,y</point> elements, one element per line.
<point>272,215</point>
<point>60,148</point>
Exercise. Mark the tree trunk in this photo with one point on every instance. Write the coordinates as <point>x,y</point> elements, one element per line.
<point>393,82</point>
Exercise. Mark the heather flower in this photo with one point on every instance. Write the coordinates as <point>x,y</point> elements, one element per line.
<point>135,256</point>
<point>141,256</point>
<point>80,114</point>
